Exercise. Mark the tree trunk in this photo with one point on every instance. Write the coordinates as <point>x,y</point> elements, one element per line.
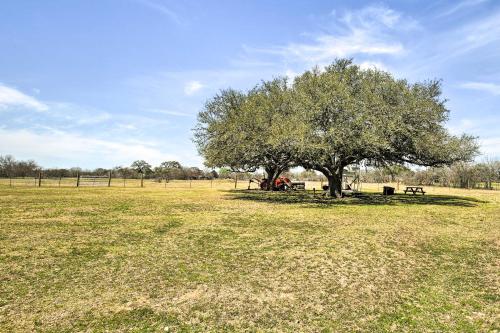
<point>335,184</point>
<point>277,173</point>
<point>272,175</point>
<point>269,181</point>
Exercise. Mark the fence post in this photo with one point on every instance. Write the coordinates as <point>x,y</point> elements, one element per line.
<point>77,178</point>
<point>190,180</point>
<point>109,179</point>
<point>142,180</point>
<point>10,180</point>
<point>60,181</point>
<point>39,179</point>
<point>235,180</point>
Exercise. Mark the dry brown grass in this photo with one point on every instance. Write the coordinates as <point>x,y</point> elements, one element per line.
<point>214,259</point>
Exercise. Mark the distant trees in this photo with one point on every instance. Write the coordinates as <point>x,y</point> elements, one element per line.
<point>58,172</point>
<point>327,120</point>
<point>387,173</point>
<point>123,172</point>
<point>484,175</point>
<point>169,170</point>
<point>460,174</point>
<point>195,173</point>
<point>141,167</point>
<point>489,172</point>
<point>10,167</point>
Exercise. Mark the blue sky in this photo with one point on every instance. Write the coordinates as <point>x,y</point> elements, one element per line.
<point>101,83</point>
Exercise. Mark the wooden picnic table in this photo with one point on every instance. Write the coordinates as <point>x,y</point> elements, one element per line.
<point>415,189</point>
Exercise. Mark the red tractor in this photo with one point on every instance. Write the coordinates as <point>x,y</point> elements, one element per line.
<point>282,183</point>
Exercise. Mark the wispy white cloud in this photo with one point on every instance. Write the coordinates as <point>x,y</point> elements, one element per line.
<point>291,74</point>
<point>476,34</point>
<point>366,32</point>
<point>95,119</point>
<point>75,115</point>
<point>373,65</point>
<point>436,52</point>
<point>169,85</point>
<point>464,125</point>
<point>70,149</point>
<point>162,9</point>
<point>127,126</point>
<point>485,128</point>
<point>460,6</point>
<point>372,17</point>
<point>10,97</point>
<point>490,146</point>
<point>192,87</point>
<point>169,93</point>
<point>171,113</point>
<point>326,47</point>
<point>491,88</point>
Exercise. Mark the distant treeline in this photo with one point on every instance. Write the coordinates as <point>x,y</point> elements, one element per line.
<point>10,167</point>
<point>168,170</point>
<point>465,175</point>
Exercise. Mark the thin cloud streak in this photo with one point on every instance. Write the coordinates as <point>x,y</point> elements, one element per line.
<point>192,87</point>
<point>171,113</point>
<point>172,15</point>
<point>10,97</point>
<point>491,88</point>
<point>479,33</point>
<point>459,6</point>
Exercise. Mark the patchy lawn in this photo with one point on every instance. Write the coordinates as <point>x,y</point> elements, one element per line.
<point>215,259</point>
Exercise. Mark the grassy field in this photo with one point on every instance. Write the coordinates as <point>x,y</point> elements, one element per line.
<point>215,259</point>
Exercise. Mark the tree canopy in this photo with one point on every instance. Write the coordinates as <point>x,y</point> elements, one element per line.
<point>329,119</point>
<point>141,166</point>
<point>247,131</point>
<point>349,115</point>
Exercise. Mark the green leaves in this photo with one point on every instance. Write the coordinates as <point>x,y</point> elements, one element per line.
<point>247,131</point>
<point>355,114</point>
<point>141,166</point>
<point>328,119</point>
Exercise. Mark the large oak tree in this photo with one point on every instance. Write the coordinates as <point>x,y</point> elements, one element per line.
<point>348,115</point>
<point>328,120</point>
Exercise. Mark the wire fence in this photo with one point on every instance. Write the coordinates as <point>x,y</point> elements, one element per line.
<point>105,181</point>
<point>89,181</point>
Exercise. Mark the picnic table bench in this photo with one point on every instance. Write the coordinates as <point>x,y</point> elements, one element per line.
<point>415,189</point>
